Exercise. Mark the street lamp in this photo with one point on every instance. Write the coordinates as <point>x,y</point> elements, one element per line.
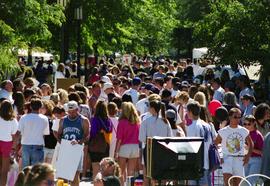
<point>63,3</point>
<point>78,16</point>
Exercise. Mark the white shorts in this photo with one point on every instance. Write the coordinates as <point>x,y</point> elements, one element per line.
<point>129,151</point>
<point>48,153</point>
<point>233,166</point>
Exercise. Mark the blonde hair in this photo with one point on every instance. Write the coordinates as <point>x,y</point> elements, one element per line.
<point>153,97</point>
<point>200,97</point>
<point>130,113</point>
<point>63,94</point>
<point>182,95</point>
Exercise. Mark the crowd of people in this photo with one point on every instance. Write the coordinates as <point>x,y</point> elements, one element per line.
<point>118,108</point>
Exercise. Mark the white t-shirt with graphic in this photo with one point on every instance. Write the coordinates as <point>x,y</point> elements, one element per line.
<point>233,140</point>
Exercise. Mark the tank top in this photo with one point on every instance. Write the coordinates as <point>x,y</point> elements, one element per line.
<point>72,129</point>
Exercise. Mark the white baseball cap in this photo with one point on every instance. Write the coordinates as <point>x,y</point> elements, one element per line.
<point>72,105</point>
<point>105,79</point>
<point>107,85</point>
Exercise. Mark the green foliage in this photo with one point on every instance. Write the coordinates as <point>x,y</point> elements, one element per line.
<point>129,26</point>
<point>237,31</point>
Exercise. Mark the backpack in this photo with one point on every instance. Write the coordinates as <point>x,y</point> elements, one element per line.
<point>100,143</point>
<point>213,154</point>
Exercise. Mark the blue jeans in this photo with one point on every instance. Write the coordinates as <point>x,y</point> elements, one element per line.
<point>253,167</point>
<point>32,154</point>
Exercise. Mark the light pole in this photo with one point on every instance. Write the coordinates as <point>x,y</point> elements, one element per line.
<point>63,3</point>
<point>78,16</point>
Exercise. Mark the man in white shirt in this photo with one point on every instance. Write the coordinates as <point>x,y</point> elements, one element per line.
<point>33,127</point>
<point>134,90</point>
<point>219,91</point>
<point>6,90</point>
<point>233,139</point>
<point>142,105</point>
<point>199,128</point>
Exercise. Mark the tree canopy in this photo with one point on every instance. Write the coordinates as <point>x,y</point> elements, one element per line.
<point>233,30</point>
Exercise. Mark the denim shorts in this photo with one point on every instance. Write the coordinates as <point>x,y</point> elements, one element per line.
<point>32,154</point>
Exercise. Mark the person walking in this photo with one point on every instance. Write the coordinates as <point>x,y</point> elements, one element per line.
<point>155,125</point>
<point>254,164</point>
<point>101,125</point>
<point>233,138</point>
<point>32,128</point>
<point>8,129</point>
<point>75,128</point>
<point>127,145</point>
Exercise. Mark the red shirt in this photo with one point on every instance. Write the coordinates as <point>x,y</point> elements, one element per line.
<point>257,139</point>
<point>127,132</point>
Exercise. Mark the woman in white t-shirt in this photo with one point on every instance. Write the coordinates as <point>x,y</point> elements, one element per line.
<point>8,129</point>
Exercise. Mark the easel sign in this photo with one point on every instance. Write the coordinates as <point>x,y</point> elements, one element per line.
<point>65,83</point>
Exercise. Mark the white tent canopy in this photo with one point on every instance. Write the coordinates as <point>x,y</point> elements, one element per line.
<point>199,52</point>
<point>45,55</point>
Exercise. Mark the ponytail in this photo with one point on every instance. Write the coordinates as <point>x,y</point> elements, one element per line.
<point>163,114</point>
<point>159,106</point>
<point>22,176</point>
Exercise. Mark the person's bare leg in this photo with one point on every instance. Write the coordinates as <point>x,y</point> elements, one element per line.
<point>76,181</point>
<point>95,167</point>
<point>85,161</point>
<point>4,170</point>
<point>123,165</point>
<point>226,177</point>
<point>132,166</point>
<point>236,181</point>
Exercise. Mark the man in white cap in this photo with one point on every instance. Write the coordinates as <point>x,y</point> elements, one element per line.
<point>107,89</point>
<point>75,128</point>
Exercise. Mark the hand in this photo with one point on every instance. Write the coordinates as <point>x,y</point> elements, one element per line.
<point>74,142</point>
<point>246,159</point>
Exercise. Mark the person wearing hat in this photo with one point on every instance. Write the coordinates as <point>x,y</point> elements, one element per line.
<point>248,102</point>
<point>75,128</point>
<point>134,90</point>
<point>177,131</point>
<point>106,89</point>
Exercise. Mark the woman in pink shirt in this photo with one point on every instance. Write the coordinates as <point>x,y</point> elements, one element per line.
<point>127,145</point>
<point>254,164</point>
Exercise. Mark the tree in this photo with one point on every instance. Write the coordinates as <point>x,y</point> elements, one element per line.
<point>8,62</point>
<point>29,19</point>
<point>238,32</point>
<point>189,14</point>
<point>128,25</point>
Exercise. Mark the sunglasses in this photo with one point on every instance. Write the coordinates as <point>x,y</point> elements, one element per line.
<point>236,117</point>
<point>247,124</point>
